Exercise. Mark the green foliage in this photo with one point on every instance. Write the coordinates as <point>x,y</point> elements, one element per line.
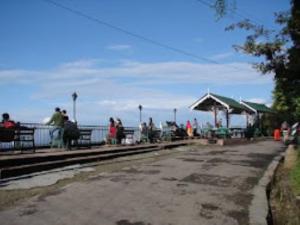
<point>223,7</point>
<point>280,54</point>
<point>295,177</point>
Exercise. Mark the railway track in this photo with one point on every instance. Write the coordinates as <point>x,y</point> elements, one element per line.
<point>20,165</point>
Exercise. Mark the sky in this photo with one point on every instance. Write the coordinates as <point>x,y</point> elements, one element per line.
<point>48,52</point>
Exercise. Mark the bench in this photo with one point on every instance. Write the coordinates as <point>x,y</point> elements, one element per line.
<point>154,135</point>
<point>21,138</point>
<point>85,138</point>
<point>222,132</point>
<point>129,136</point>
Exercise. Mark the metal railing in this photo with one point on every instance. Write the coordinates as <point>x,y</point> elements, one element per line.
<point>42,136</point>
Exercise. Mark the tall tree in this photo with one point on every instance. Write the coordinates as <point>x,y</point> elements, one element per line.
<point>280,54</point>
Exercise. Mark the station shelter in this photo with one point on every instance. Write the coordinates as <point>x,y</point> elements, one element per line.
<point>211,102</point>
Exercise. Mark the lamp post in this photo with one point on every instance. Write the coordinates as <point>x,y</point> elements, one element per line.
<point>74,97</point>
<point>175,110</point>
<point>140,108</point>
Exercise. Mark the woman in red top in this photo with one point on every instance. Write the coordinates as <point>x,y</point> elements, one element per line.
<point>189,128</point>
<point>112,131</point>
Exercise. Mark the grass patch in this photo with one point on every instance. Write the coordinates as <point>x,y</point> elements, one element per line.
<point>295,176</point>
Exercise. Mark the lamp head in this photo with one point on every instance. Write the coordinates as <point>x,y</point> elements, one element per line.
<point>74,96</point>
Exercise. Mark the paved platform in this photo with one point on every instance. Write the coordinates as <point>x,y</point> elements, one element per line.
<point>211,185</point>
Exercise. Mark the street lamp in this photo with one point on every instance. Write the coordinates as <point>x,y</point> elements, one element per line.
<point>74,97</point>
<point>175,110</point>
<point>140,108</point>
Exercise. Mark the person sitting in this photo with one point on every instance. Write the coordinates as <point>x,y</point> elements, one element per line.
<point>71,132</point>
<point>7,122</point>
<point>7,132</point>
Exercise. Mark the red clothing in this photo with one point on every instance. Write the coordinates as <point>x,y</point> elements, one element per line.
<point>112,131</point>
<point>277,135</point>
<point>9,124</point>
<point>188,125</point>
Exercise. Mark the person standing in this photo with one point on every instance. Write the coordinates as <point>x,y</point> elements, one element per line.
<point>57,121</point>
<point>71,132</point>
<point>112,131</point>
<point>151,130</point>
<point>189,129</point>
<point>120,131</point>
<point>64,113</point>
<point>144,132</point>
<point>195,127</point>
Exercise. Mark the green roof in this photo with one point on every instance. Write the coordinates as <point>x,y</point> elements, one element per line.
<point>208,100</point>
<point>258,107</point>
<point>230,102</point>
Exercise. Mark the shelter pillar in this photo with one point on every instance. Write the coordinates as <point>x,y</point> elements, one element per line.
<point>215,114</point>
<point>227,118</point>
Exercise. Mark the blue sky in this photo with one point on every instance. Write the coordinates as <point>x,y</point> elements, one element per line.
<point>47,53</point>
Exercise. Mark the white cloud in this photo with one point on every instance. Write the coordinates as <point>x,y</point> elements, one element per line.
<point>83,63</point>
<point>45,120</point>
<point>117,90</point>
<point>261,101</point>
<point>222,56</point>
<point>83,73</point>
<point>258,100</point>
<point>119,47</point>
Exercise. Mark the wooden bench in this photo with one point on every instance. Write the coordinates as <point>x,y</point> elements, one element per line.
<point>20,137</point>
<point>85,138</point>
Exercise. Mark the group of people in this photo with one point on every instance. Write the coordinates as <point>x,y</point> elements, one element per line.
<point>63,129</point>
<point>192,130</point>
<point>115,131</point>
<point>147,131</point>
<point>67,131</point>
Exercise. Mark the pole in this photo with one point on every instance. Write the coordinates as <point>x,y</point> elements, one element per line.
<point>215,114</point>
<point>74,97</point>
<point>74,110</point>
<point>227,119</point>
<point>175,110</point>
<point>140,108</point>
<point>140,116</point>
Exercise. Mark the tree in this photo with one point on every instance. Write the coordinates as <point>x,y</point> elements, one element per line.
<point>279,53</point>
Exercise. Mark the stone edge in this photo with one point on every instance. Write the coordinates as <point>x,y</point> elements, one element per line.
<point>259,208</point>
